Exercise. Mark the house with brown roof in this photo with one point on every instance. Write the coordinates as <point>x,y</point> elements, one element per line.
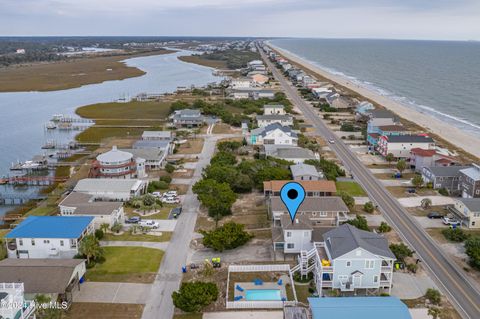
<point>420,158</point>
<point>56,278</point>
<point>312,188</point>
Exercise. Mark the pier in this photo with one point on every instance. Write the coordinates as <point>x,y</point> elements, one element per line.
<point>31,180</point>
<point>18,199</point>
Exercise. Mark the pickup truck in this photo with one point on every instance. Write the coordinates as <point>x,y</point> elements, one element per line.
<point>148,223</point>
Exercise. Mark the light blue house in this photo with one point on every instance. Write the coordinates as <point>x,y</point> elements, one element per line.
<point>358,308</point>
<point>374,132</point>
<point>350,260</point>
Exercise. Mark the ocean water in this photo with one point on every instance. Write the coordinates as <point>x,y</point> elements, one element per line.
<point>440,78</point>
<point>23,115</point>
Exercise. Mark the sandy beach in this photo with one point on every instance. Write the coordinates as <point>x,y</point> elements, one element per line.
<point>448,132</point>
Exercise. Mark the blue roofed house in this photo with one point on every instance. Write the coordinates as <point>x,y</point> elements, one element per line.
<point>48,236</point>
<point>349,259</point>
<point>384,130</point>
<point>358,308</point>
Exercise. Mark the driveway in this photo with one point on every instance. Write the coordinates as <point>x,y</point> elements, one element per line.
<point>181,181</point>
<point>112,292</point>
<point>361,200</point>
<point>410,286</point>
<point>426,222</point>
<point>437,200</point>
<point>396,182</point>
<point>169,274</point>
<point>374,220</point>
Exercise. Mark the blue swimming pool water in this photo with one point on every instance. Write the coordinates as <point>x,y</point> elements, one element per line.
<point>263,295</point>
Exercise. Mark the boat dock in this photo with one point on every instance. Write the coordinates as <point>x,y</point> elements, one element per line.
<point>18,199</point>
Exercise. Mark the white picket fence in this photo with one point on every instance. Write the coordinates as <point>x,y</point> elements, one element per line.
<point>257,268</point>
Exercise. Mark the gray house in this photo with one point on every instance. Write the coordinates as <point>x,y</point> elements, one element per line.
<point>350,260</point>
<point>446,177</point>
<point>187,118</point>
<point>305,172</point>
<point>470,181</point>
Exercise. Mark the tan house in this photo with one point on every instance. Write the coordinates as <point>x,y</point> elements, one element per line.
<point>259,79</point>
<point>312,188</point>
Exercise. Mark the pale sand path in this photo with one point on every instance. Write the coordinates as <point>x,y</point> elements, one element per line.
<point>455,136</point>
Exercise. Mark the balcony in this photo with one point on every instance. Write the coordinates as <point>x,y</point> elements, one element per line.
<point>387,269</point>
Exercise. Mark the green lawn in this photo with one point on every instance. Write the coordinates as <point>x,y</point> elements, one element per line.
<point>3,232</point>
<point>43,211</point>
<point>188,316</point>
<point>138,237</point>
<point>96,134</point>
<point>127,264</point>
<point>163,214</point>
<point>352,188</point>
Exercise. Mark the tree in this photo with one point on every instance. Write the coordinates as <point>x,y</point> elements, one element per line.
<point>229,146</point>
<point>167,179</point>
<point>149,200</point>
<point>104,227</point>
<point>384,227</point>
<point>389,158</point>
<point>472,249</point>
<point>3,250</point>
<point>417,181</point>
<point>434,296</point>
<point>194,296</point>
<point>217,197</point>
<point>169,168</point>
<point>329,168</point>
<point>229,236</point>
<point>401,251</point>
<point>348,199</point>
<point>455,234</point>
<point>426,203</point>
<point>359,222</point>
<point>434,312</point>
<point>99,234</point>
<point>368,207</point>
<point>45,308</point>
<point>401,165</point>
<point>224,158</point>
<point>90,248</point>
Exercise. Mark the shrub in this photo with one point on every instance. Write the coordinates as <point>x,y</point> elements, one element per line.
<point>455,234</point>
<point>443,191</point>
<point>169,168</point>
<point>434,296</point>
<point>116,228</point>
<point>472,249</point>
<point>229,236</point>
<point>401,251</point>
<point>167,179</point>
<point>412,268</point>
<point>194,296</point>
<point>99,234</point>
<point>360,222</point>
<point>347,198</point>
<point>368,207</point>
<point>384,227</point>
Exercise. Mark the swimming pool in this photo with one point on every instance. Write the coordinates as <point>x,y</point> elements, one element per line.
<point>263,294</point>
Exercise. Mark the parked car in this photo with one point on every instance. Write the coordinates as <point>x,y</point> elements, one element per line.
<point>450,221</point>
<point>176,211</point>
<point>133,220</point>
<point>434,215</point>
<point>157,194</point>
<point>331,141</point>
<point>411,190</point>
<point>148,223</point>
<point>170,193</point>
<point>170,200</point>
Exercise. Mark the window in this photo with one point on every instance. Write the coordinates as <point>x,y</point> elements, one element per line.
<point>20,242</point>
<point>33,242</point>
<point>323,214</point>
<point>369,264</point>
<point>349,263</point>
<point>46,241</point>
<point>289,234</point>
<point>61,242</point>
<point>290,245</point>
<point>375,279</point>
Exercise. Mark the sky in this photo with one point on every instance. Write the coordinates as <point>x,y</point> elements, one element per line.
<point>396,19</point>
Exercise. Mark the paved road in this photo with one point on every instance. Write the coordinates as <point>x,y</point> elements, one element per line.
<point>159,304</point>
<point>447,275</point>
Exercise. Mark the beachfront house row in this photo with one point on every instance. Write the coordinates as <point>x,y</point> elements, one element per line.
<point>54,278</point>
<point>48,236</point>
<point>264,120</point>
<point>187,118</point>
<point>111,189</point>
<point>274,109</point>
<point>443,177</point>
<point>384,130</point>
<point>326,211</point>
<point>349,259</point>
<point>103,212</point>
<point>13,301</point>
<point>294,154</point>
<point>420,158</point>
<point>305,172</point>
<point>319,188</point>
<point>401,145</point>
<point>275,134</point>
<point>467,210</point>
<point>362,108</point>
<point>470,181</point>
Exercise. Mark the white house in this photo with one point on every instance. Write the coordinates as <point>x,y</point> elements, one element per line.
<point>264,120</point>
<point>305,172</point>
<point>103,212</point>
<point>294,154</point>
<point>467,210</point>
<point>48,236</point>
<point>401,145</point>
<point>111,189</point>
<point>118,164</point>
<point>273,134</point>
<point>153,158</point>
<point>349,259</point>
<point>274,109</point>
<point>13,303</point>
<point>240,83</point>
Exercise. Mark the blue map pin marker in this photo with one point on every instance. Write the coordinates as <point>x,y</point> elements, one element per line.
<point>292,195</point>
